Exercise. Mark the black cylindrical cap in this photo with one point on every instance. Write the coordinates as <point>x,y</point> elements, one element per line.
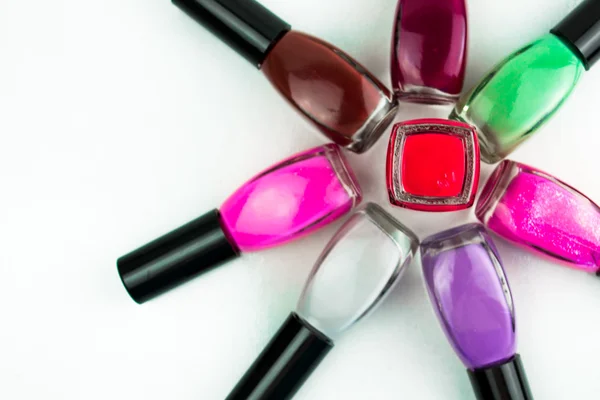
<point>581,31</point>
<point>501,382</point>
<point>245,25</point>
<point>284,364</point>
<point>176,257</point>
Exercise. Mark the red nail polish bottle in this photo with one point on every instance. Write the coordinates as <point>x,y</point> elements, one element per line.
<point>332,90</point>
<point>433,165</point>
<point>429,50</point>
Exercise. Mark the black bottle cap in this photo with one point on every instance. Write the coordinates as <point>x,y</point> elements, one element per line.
<point>581,31</point>
<point>176,257</point>
<point>501,382</point>
<point>284,364</point>
<point>245,25</point>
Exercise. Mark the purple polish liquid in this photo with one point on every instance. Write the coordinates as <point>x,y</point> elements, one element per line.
<point>470,301</point>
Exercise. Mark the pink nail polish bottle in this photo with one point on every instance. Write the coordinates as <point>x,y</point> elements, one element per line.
<point>543,214</point>
<point>287,201</point>
<point>429,50</point>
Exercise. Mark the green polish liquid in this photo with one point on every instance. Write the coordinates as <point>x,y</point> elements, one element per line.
<point>519,95</point>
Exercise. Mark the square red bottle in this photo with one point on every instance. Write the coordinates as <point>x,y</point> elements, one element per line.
<point>433,165</point>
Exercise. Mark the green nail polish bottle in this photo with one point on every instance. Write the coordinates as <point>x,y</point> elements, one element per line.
<point>523,91</point>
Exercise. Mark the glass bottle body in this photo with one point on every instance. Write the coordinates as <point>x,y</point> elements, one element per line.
<point>339,96</point>
<point>291,199</point>
<point>359,266</point>
<point>429,50</point>
<point>534,209</point>
<point>519,95</point>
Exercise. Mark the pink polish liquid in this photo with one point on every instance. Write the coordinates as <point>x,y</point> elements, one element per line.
<point>534,209</point>
<point>292,199</point>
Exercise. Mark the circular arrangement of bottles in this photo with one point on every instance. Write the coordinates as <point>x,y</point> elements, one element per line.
<point>432,166</point>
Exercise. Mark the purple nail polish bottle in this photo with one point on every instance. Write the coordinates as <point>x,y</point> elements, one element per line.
<point>472,299</point>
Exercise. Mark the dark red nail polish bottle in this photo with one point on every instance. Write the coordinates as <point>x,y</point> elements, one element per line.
<point>339,96</point>
<point>429,50</point>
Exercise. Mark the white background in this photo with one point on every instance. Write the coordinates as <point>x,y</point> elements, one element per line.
<point>122,119</point>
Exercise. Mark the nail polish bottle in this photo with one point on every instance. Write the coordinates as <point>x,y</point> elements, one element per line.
<point>472,299</point>
<point>356,270</point>
<point>521,93</point>
<point>289,200</point>
<point>429,50</point>
<point>432,165</point>
<point>333,91</point>
<point>543,214</point>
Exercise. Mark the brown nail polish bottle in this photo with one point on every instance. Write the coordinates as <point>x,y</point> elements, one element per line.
<point>333,91</point>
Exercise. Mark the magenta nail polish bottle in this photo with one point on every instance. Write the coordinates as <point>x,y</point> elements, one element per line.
<point>543,214</point>
<point>285,202</point>
<point>429,50</point>
<point>468,288</point>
